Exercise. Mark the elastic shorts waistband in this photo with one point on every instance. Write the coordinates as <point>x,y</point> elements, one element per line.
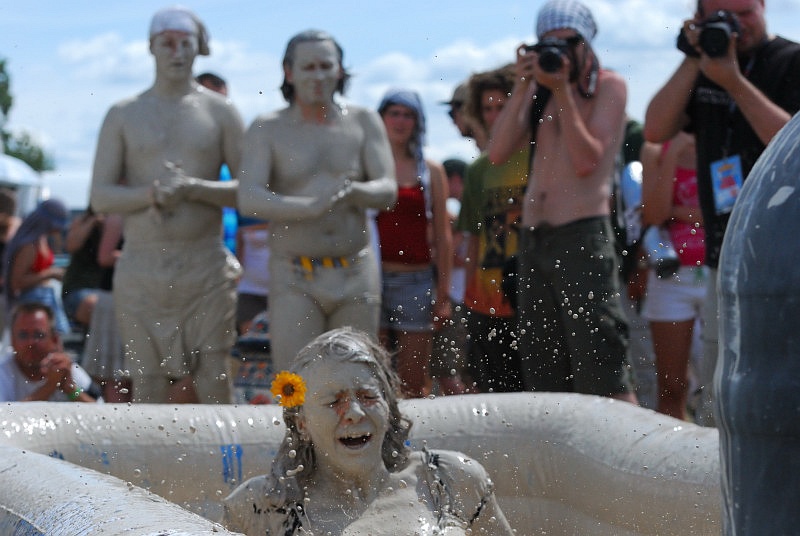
<point>310,263</point>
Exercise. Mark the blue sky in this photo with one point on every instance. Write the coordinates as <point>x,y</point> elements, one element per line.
<point>69,61</point>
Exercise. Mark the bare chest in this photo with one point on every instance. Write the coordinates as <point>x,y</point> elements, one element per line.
<point>180,132</point>
<point>302,152</point>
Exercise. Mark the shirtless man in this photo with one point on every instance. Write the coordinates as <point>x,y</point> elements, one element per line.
<point>314,169</point>
<point>572,328</point>
<point>158,158</point>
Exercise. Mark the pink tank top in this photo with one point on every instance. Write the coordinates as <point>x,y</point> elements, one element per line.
<point>689,241</point>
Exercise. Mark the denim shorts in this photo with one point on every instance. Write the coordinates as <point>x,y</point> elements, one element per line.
<point>73,299</point>
<point>407,301</point>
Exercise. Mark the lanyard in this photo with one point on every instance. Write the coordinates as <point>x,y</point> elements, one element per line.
<point>732,106</point>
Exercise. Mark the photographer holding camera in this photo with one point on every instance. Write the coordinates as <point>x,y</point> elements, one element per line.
<point>736,87</point>
<point>572,333</point>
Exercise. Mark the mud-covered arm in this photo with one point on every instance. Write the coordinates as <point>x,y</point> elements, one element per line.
<point>223,193</point>
<point>379,190</point>
<point>257,200</point>
<point>108,192</point>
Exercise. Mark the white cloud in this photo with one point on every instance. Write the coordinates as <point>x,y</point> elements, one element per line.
<point>106,58</point>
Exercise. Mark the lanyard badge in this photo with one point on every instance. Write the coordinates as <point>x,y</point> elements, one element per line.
<point>726,180</point>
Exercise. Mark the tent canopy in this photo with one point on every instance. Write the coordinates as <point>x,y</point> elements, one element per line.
<point>15,172</point>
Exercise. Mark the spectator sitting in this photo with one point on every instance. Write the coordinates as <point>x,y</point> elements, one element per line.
<point>29,260</point>
<point>9,222</point>
<point>37,368</point>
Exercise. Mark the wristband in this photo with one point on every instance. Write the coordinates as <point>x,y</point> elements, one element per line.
<point>74,395</point>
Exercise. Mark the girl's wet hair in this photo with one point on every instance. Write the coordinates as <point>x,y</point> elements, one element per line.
<point>342,345</point>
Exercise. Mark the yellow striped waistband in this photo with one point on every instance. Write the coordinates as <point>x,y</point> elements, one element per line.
<point>309,263</point>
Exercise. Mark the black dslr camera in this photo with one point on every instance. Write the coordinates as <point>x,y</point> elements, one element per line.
<point>551,51</point>
<point>715,35</point>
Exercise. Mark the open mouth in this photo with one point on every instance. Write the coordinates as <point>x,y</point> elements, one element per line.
<point>355,442</point>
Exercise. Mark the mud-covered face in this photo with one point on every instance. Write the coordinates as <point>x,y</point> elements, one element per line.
<point>315,72</point>
<point>174,53</point>
<point>345,416</point>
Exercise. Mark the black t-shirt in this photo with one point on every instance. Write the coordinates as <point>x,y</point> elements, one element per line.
<point>775,71</point>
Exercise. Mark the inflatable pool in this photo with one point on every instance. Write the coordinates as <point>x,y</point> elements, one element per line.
<point>561,463</point>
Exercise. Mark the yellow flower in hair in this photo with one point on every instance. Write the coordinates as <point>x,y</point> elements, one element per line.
<point>289,389</point>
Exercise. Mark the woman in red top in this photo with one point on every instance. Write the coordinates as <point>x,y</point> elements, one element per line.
<point>673,304</point>
<point>415,245</point>
<point>28,260</point>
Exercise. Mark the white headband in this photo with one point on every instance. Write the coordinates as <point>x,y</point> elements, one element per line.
<point>180,19</point>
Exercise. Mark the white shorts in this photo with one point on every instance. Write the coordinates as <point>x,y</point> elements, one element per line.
<point>676,298</point>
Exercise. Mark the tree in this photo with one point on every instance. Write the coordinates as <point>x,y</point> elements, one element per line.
<point>21,146</point>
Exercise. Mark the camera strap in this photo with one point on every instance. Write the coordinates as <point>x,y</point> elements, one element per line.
<point>732,105</point>
<point>727,176</point>
<point>592,75</point>
<point>540,100</point>
<point>591,86</point>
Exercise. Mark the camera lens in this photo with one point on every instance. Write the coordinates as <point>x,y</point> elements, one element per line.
<point>550,59</point>
<point>714,39</point>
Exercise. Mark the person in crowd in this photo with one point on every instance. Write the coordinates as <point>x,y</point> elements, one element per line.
<point>9,223</point>
<point>734,101</point>
<point>455,169</point>
<point>313,170</point>
<point>214,82</point>
<point>674,302</point>
<point>415,245</point>
<point>157,163</point>
<point>103,355</point>
<point>29,261</point>
<point>467,125</point>
<point>345,467</point>
<point>252,249</point>
<point>626,220</point>
<point>230,216</point>
<point>36,367</point>
<point>572,329</point>
<point>490,213</point>
<point>84,274</point>
<point>448,356</point>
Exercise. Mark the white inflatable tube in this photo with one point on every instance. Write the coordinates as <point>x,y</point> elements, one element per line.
<point>562,463</point>
<point>45,496</point>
